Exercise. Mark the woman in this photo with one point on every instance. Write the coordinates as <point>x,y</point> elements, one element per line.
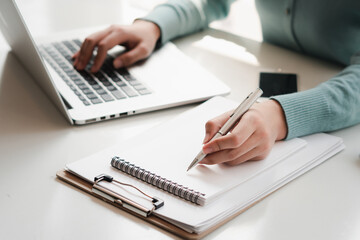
<point>322,28</point>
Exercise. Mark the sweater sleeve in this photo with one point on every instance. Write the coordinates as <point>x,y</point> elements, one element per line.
<point>181,17</point>
<point>331,105</point>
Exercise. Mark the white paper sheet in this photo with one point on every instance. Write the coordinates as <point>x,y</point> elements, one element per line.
<point>168,149</point>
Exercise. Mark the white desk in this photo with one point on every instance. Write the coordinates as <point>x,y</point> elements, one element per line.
<point>36,141</point>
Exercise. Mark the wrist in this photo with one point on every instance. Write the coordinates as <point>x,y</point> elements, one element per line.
<point>273,118</point>
<point>152,28</point>
<point>280,120</point>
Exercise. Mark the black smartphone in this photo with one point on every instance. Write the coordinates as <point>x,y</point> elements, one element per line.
<point>277,83</point>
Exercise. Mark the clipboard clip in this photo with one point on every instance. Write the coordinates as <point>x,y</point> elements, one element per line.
<point>122,200</point>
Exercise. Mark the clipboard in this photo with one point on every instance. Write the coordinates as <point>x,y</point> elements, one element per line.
<point>86,186</point>
<point>82,173</point>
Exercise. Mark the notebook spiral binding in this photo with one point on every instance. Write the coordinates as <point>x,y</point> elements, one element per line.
<point>155,180</point>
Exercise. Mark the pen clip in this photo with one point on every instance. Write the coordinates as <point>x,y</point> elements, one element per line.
<point>255,94</point>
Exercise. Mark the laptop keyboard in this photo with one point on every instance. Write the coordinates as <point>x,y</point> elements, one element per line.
<point>108,84</point>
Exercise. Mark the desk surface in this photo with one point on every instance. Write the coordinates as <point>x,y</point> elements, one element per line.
<point>36,141</point>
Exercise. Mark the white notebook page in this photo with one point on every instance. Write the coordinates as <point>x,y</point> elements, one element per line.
<point>194,218</point>
<point>168,149</point>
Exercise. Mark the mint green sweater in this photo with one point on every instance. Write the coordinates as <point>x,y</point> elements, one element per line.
<point>328,29</point>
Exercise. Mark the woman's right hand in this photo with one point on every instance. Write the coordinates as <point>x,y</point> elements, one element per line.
<point>139,39</point>
<point>251,139</point>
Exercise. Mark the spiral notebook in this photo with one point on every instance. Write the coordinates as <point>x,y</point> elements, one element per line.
<point>158,181</point>
<point>195,201</point>
<point>164,153</point>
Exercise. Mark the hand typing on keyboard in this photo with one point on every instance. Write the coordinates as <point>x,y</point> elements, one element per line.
<point>139,39</point>
<point>106,85</point>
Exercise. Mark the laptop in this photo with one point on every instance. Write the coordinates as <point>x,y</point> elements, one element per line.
<point>167,79</point>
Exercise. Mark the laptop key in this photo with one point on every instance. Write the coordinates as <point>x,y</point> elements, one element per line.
<point>111,75</point>
<point>129,78</point>
<point>100,91</point>
<point>111,88</point>
<point>69,71</point>
<point>96,86</point>
<point>116,79</point>
<point>134,82</point>
<point>129,91</point>
<point>96,100</point>
<point>84,73</point>
<point>78,81</point>
<point>144,91</point>
<point>100,76</point>
<point>67,81</point>
<point>86,103</point>
<point>107,97</point>
<point>139,87</point>
<point>92,96</point>
<point>118,95</point>
<point>77,93</point>
<point>82,86</point>
<point>92,82</point>
<point>77,42</point>
<point>70,46</point>
<point>121,83</point>
<point>123,71</point>
<point>87,91</point>
<point>107,83</point>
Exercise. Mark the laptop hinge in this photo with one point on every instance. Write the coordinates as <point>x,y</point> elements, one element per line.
<point>67,104</point>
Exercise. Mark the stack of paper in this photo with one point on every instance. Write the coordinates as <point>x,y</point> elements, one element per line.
<point>168,149</point>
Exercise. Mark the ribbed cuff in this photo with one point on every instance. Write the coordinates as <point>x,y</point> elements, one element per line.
<point>305,112</point>
<point>166,18</point>
<point>176,18</point>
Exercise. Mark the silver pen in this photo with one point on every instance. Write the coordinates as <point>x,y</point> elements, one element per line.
<point>230,123</point>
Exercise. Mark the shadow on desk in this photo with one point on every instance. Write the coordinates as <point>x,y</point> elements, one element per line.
<point>245,58</point>
<point>24,107</point>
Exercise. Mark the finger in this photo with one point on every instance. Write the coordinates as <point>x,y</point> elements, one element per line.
<point>232,154</point>
<point>75,58</point>
<point>241,132</point>
<point>88,46</point>
<point>215,158</point>
<point>85,54</point>
<point>129,58</point>
<point>254,154</point>
<point>213,126</point>
<point>108,42</point>
<point>75,55</point>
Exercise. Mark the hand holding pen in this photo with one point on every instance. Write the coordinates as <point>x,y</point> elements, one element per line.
<point>251,138</point>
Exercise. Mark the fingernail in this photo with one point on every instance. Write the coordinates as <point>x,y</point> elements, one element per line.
<point>205,138</point>
<point>203,162</point>
<point>118,63</point>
